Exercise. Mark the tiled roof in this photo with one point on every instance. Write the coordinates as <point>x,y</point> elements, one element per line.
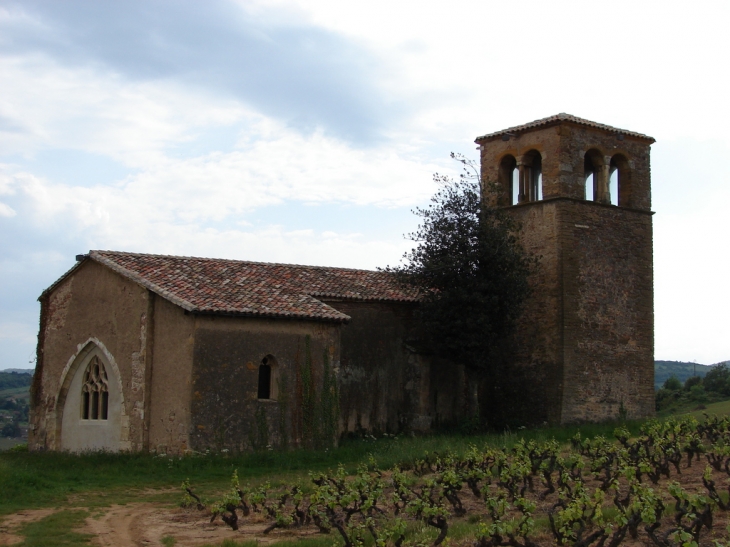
<point>563,117</point>
<point>210,285</point>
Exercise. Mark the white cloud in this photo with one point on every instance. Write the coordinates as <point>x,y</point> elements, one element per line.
<point>224,187</point>
<point>95,110</point>
<point>196,168</point>
<point>6,211</point>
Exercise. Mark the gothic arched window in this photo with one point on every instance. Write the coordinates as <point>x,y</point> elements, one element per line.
<point>95,392</point>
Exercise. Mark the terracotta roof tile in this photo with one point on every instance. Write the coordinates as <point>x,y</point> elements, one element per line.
<point>563,117</point>
<point>210,285</point>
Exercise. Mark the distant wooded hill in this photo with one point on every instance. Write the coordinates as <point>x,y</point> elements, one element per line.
<point>682,370</point>
<point>10,380</point>
<point>662,370</point>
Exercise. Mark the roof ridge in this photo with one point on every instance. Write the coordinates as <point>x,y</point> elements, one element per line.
<point>564,116</point>
<point>252,289</point>
<point>236,260</point>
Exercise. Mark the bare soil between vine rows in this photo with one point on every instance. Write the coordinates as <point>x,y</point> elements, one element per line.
<point>146,523</point>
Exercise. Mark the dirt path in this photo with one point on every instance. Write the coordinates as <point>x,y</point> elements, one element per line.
<point>142,524</point>
<point>11,523</point>
<point>145,524</point>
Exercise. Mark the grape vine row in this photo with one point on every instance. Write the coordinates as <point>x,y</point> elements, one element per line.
<point>597,492</point>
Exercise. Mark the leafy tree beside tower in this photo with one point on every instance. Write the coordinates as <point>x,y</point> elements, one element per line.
<point>472,274</point>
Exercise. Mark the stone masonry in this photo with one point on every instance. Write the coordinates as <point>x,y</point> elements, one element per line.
<point>586,339</point>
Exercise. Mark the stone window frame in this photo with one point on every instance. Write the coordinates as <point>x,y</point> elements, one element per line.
<point>86,351</point>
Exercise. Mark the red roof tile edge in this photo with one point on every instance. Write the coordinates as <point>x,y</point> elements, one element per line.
<point>328,314</point>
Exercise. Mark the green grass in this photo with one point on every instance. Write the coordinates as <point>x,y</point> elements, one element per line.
<point>6,443</point>
<point>56,530</point>
<point>719,409</point>
<point>94,480</point>
<point>39,479</point>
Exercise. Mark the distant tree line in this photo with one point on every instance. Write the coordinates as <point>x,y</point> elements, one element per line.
<point>11,380</point>
<point>13,410</point>
<point>12,420</point>
<point>715,386</point>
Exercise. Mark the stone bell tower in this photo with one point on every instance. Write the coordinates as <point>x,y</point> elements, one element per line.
<point>581,192</point>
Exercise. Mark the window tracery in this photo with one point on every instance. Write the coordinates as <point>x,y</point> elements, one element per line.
<point>95,392</point>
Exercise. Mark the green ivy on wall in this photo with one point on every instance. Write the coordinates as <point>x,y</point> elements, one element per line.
<point>319,410</point>
<point>283,386</point>
<point>330,402</point>
<point>309,419</point>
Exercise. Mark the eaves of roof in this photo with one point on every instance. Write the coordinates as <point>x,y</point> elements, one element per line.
<point>563,118</point>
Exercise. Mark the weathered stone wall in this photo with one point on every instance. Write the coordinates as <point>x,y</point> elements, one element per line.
<point>608,314</point>
<point>538,349</point>
<point>584,345</point>
<point>225,410</point>
<point>92,306</point>
<point>586,336</point>
<point>170,377</point>
<point>384,384</point>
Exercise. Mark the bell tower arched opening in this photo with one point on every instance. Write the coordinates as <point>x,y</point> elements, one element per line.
<point>531,177</point>
<point>620,177</point>
<point>593,171</point>
<point>509,181</point>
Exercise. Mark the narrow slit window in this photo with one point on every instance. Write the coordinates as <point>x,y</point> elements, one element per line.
<point>264,380</point>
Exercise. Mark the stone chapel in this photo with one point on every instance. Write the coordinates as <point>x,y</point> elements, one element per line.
<point>170,354</point>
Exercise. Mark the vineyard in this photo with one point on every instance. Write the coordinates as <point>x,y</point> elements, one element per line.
<point>667,487</point>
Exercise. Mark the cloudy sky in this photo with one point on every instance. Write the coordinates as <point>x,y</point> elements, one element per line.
<point>306,131</point>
